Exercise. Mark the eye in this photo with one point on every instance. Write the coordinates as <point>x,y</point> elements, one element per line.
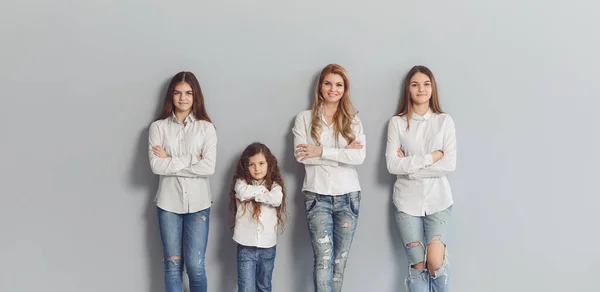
<point>340,85</point>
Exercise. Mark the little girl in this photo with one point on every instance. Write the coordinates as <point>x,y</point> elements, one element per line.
<point>257,203</point>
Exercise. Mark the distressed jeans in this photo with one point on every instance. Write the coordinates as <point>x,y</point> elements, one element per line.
<point>423,230</point>
<point>255,268</point>
<point>332,222</point>
<point>184,239</point>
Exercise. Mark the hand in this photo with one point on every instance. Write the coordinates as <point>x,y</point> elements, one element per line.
<point>159,152</point>
<point>304,151</point>
<point>400,153</point>
<point>437,155</point>
<point>199,157</point>
<point>354,145</point>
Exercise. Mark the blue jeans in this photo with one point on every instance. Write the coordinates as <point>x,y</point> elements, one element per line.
<point>420,229</point>
<point>332,221</point>
<point>184,236</point>
<point>255,268</point>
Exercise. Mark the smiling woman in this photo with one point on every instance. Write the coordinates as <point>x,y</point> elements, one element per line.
<point>182,151</point>
<point>329,141</point>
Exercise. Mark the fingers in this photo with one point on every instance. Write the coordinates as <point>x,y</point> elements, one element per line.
<point>400,153</point>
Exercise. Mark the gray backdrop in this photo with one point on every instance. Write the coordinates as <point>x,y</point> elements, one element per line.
<point>81,81</point>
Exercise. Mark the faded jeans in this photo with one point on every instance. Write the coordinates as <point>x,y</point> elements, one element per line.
<point>423,230</point>
<point>184,239</point>
<point>332,222</point>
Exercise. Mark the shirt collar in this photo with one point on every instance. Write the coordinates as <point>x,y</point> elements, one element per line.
<point>188,119</point>
<point>424,117</point>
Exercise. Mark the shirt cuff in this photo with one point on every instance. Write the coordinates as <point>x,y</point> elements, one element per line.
<point>330,153</point>
<point>428,159</point>
<point>194,160</point>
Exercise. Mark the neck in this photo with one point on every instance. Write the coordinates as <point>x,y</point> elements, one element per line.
<point>421,109</point>
<point>260,181</point>
<point>330,109</point>
<point>181,115</point>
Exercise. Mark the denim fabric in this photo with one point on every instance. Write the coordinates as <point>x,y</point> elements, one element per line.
<point>255,268</point>
<point>423,230</point>
<point>184,236</point>
<point>332,221</point>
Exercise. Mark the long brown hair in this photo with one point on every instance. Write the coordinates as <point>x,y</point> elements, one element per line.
<point>198,108</point>
<point>273,176</point>
<point>345,114</point>
<point>406,103</point>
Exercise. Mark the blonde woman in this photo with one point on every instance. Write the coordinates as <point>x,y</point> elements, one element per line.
<point>330,142</point>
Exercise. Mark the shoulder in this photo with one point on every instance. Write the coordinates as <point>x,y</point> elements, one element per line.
<point>304,114</point>
<point>205,125</point>
<point>304,117</point>
<point>444,118</point>
<point>159,123</point>
<point>397,120</point>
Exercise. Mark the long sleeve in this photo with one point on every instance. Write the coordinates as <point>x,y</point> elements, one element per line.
<point>165,166</point>
<point>205,166</point>
<point>273,197</point>
<point>244,191</point>
<point>260,193</point>
<point>301,131</point>
<point>348,156</point>
<point>448,162</point>
<point>402,165</point>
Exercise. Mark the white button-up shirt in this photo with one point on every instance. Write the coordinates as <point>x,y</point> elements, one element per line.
<point>421,186</point>
<point>334,173</point>
<point>249,231</point>
<point>183,185</point>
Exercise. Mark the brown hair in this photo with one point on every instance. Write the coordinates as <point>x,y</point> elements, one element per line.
<point>345,114</point>
<point>406,103</point>
<point>273,176</point>
<point>198,108</point>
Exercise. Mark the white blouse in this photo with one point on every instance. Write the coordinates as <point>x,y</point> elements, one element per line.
<point>247,230</point>
<point>421,186</point>
<point>334,173</point>
<point>183,184</point>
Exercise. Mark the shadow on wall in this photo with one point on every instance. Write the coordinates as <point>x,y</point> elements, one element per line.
<point>387,180</point>
<point>226,249</point>
<point>296,226</point>
<point>142,176</point>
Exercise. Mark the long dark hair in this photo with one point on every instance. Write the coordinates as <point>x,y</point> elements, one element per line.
<point>198,108</point>
<point>406,103</point>
<point>273,176</point>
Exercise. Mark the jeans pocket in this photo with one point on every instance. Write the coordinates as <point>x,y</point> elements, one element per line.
<point>310,201</point>
<point>355,202</point>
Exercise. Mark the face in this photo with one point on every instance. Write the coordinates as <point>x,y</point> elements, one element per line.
<point>332,88</point>
<point>183,97</point>
<point>420,88</point>
<point>257,166</point>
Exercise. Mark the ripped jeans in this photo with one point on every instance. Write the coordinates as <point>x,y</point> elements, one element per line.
<point>184,239</point>
<point>415,229</point>
<point>332,221</point>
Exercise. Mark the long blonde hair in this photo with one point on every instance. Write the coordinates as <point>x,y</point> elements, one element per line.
<point>345,114</point>
<point>406,102</point>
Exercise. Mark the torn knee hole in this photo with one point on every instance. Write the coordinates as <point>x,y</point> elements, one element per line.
<point>436,239</point>
<point>419,266</point>
<point>175,258</point>
<point>413,244</point>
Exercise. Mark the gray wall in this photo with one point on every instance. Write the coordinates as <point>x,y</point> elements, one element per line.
<point>80,82</point>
